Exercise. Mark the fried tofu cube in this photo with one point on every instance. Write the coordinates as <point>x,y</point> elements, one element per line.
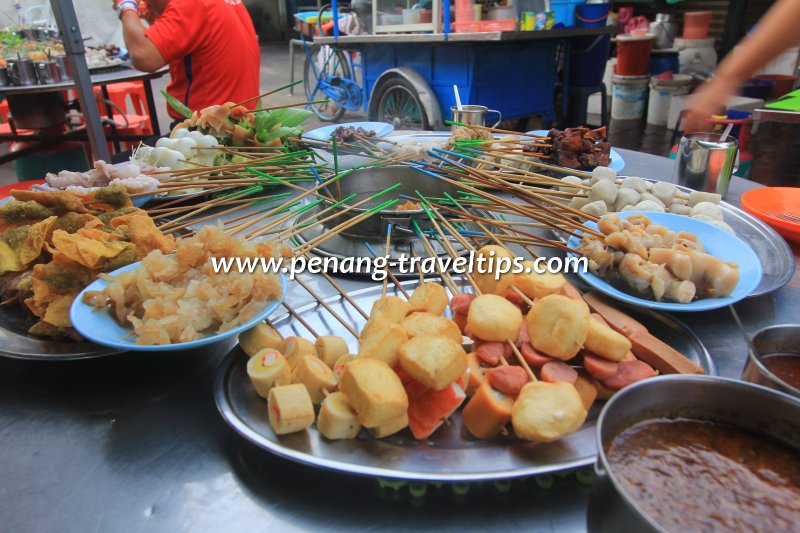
<point>433,360</point>
<point>374,390</point>
<point>428,298</point>
<point>421,323</point>
<point>384,344</point>
<point>290,409</point>
<point>493,318</point>
<point>605,342</point>
<point>390,428</point>
<point>536,284</point>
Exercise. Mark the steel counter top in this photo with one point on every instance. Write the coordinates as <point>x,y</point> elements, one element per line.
<point>133,442</point>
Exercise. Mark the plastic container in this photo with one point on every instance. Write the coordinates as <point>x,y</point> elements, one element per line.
<point>628,96</point>
<point>696,56</point>
<point>663,61</point>
<point>591,15</point>
<point>661,93</point>
<point>588,59</point>
<point>782,84</point>
<point>564,10</point>
<point>696,24</point>
<point>633,54</point>
<point>756,88</point>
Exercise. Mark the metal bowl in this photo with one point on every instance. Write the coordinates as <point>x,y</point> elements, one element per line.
<point>756,408</point>
<point>368,181</point>
<point>782,339</point>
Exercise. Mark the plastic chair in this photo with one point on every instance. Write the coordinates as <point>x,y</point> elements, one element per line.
<point>7,126</point>
<point>579,103</point>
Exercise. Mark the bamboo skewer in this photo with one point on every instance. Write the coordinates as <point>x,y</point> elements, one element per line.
<point>327,307</point>
<point>300,319</point>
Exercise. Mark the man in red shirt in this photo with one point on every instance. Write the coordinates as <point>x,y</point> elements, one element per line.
<point>210,45</point>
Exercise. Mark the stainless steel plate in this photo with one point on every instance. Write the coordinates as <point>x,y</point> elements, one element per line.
<point>449,455</point>
<point>15,342</point>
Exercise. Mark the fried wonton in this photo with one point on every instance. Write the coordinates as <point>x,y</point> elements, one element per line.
<point>59,201</point>
<point>9,260</point>
<point>32,247</point>
<point>83,250</point>
<point>144,233</point>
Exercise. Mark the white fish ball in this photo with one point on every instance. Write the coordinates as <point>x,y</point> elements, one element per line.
<point>652,198</point>
<point>603,173</point>
<point>186,146</point>
<point>635,183</point>
<point>708,209</point>
<point>207,141</point>
<point>570,180</point>
<point>698,196</point>
<point>626,197</point>
<point>597,208</point>
<point>180,133</point>
<point>195,135</point>
<point>679,209</point>
<point>605,190</point>
<point>649,205</point>
<point>166,142</point>
<point>578,202</point>
<point>664,191</point>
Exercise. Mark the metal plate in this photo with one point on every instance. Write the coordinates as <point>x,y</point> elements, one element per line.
<point>449,455</point>
<point>15,342</point>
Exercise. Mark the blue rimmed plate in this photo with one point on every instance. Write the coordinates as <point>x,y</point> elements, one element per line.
<point>99,326</point>
<point>381,129</point>
<point>716,241</point>
<point>617,163</point>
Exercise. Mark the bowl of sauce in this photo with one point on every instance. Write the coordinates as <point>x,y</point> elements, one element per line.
<point>697,453</point>
<point>774,361</point>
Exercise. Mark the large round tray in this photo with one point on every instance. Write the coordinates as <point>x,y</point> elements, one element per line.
<point>448,455</point>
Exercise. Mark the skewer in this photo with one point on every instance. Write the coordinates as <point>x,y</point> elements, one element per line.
<point>327,307</point>
<point>272,91</point>
<point>300,319</point>
<point>345,295</point>
<point>388,250</point>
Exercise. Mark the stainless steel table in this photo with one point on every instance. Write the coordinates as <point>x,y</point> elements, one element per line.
<point>133,442</point>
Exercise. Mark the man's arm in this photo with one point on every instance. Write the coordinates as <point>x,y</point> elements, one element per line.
<point>775,32</point>
<point>144,54</point>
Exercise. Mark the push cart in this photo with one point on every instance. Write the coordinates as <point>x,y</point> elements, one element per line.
<point>407,78</point>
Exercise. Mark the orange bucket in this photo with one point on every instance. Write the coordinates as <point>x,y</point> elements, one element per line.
<point>633,54</point>
<point>696,24</point>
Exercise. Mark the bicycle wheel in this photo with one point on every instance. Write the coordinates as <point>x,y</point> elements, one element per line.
<point>399,104</point>
<point>330,66</point>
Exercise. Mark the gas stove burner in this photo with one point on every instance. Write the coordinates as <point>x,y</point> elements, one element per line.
<point>360,240</point>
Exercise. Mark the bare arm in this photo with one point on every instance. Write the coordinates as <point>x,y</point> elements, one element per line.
<point>778,30</point>
<point>144,54</point>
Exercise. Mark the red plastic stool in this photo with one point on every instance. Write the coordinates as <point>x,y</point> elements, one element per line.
<point>137,125</point>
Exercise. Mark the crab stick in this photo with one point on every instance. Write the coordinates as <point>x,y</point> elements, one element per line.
<point>487,412</point>
<point>290,409</point>
<point>267,369</point>
<point>428,412</point>
<point>337,419</point>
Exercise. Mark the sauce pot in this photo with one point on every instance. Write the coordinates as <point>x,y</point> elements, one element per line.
<point>724,400</point>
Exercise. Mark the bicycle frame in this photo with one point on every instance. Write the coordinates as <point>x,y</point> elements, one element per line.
<point>333,87</point>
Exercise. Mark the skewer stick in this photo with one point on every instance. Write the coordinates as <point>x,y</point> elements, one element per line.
<point>388,250</point>
<point>300,319</point>
<point>327,307</point>
<point>345,295</point>
<point>389,274</point>
<point>343,226</point>
<point>273,91</point>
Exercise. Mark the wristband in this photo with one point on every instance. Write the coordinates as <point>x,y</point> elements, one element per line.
<point>127,5</point>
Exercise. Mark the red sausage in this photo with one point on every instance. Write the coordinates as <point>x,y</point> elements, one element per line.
<point>629,372</point>
<point>533,357</point>
<point>516,299</point>
<point>556,371</point>
<point>523,335</point>
<point>491,352</point>
<point>460,303</point>
<point>598,367</point>
<point>508,379</point>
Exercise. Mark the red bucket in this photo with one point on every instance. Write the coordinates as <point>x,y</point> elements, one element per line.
<point>781,84</point>
<point>633,54</point>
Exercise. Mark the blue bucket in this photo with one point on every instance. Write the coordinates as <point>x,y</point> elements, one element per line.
<point>591,15</point>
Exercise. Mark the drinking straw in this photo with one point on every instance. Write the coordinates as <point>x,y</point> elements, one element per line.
<point>727,132</point>
<point>458,96</point>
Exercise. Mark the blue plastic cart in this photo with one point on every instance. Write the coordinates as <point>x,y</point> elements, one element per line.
<point>407,79</point>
